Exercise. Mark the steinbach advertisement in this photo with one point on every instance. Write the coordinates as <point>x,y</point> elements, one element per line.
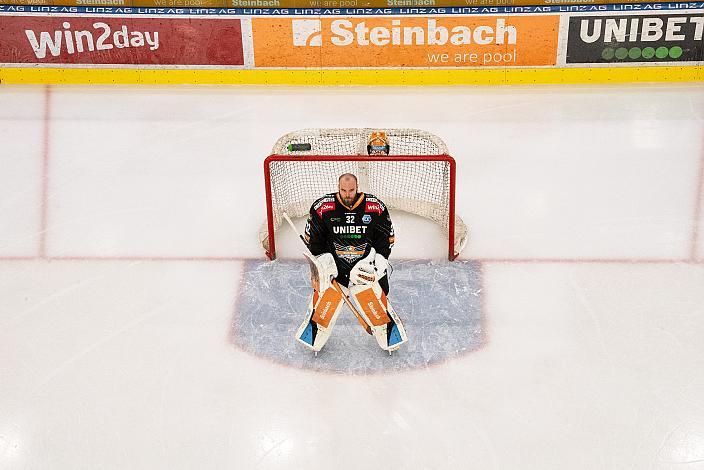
<point>120,41</point>
<point>635,38</point>
<point>459,41</point>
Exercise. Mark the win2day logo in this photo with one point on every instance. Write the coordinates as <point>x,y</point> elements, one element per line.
<point>652,38</point>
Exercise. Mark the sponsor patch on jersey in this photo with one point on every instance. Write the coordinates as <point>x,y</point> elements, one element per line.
<point>350,253</point>
<point>323,201</point>
<point>324,205</point>
<point>340,229</point>
<point>372,207</point>
<point>366,218</point>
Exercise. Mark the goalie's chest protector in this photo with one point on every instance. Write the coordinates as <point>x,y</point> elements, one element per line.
<point>351,229</point>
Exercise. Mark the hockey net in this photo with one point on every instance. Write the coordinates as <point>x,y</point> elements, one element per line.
<point>418,176</point>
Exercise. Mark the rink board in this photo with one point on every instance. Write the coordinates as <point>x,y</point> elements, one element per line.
<point>440,304</point>
<point>40,75</point>
<point>652,42</point>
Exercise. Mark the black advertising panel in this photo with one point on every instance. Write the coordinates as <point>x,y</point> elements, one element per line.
<point>635,38</point>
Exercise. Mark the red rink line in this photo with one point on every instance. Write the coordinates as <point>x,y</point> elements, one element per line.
<point>219,259</point>
<point>153,258</point>
<point>697,219</point>
<point>45,174</point>
<point>227,259</point>
<point>587,261</point>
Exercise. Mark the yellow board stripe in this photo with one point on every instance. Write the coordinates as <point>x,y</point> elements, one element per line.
<point>31,75</point>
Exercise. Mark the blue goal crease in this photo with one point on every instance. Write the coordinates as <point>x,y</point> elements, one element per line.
<point>439,304</point>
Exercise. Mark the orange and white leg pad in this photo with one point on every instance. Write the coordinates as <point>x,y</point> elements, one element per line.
<point>317,327</point>
<point>373,305</point>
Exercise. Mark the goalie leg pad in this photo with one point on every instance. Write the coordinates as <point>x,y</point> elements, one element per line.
<point>387,328</point>
<point>316,328</point>
<point>397,333</point>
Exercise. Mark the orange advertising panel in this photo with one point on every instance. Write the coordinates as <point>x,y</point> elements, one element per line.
<point>456,41</point>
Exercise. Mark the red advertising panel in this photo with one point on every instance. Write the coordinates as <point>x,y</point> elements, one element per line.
<point>117,41</point>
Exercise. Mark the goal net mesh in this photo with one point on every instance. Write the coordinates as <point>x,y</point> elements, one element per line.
<point>414,177</point>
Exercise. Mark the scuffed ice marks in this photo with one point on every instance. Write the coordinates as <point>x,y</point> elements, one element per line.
<point>439,302</point>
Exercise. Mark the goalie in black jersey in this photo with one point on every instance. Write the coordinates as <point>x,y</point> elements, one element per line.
<point>350,235</point>
<point>348,225</point>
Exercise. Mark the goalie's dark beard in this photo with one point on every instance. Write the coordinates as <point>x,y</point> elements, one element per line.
<point>349,201</point>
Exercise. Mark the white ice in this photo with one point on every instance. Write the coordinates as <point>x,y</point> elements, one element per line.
<point>126,213</point>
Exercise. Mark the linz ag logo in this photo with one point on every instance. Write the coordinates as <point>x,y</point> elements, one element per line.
<point>635,38</point>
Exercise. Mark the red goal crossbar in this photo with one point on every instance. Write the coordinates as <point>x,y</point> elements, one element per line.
<point>273,204</point>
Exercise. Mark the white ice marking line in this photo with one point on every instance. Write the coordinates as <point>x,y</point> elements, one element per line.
<point>97,344</point>
<point>50,298</point>
<point>273,448</point>
<point>592,314</point>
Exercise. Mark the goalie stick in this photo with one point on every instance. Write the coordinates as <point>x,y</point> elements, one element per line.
<point>335,284</point>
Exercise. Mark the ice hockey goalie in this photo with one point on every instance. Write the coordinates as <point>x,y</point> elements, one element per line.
<point>350,236</point>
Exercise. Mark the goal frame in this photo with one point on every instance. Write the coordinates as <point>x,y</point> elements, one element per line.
<point>271,252</point>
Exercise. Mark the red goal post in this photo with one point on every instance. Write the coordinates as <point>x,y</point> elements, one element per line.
<point>418,176</point>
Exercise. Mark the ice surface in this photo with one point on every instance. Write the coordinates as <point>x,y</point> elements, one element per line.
<point>439,303</point>
<point>129,217</point>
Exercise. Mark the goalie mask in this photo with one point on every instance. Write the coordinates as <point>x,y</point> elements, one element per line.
<point>378,144</point>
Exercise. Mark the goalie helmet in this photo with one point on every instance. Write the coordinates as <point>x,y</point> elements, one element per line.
<point>378,144</point>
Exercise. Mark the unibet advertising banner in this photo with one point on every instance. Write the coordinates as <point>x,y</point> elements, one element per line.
<point>116,41</point>
<point>635,38</point>
<point>457,41</point>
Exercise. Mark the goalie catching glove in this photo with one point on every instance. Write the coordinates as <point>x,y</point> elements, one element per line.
<point>322,271</point>
<point>369,269</point>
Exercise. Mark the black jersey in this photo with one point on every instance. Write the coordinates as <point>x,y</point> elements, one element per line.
<point>349,233</point>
